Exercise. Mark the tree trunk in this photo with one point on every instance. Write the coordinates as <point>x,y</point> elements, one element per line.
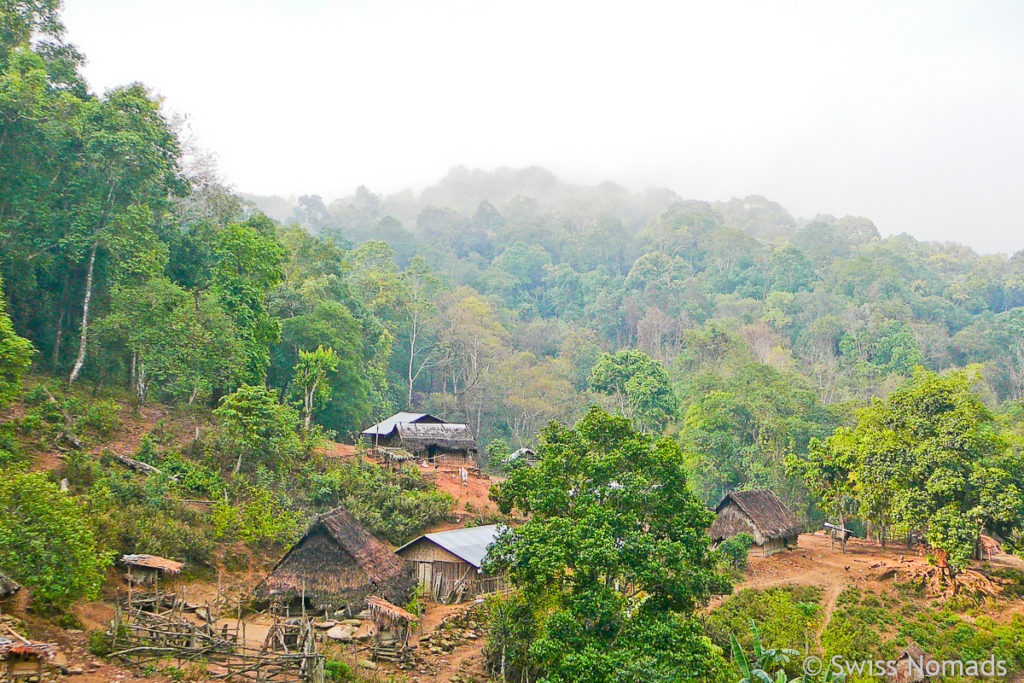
<point>56,340</point>
<point>84,339</point>
<point>412,354</point>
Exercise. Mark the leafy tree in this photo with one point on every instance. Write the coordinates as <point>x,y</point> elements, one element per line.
<point>640,385</point>
<point>933,449</point>
<point>614,556</point>
<point>15,356</point>
<point>46,542</point>
<point>828,471</point>
<point>249,262</point>
<point>258,428</point>
<point>311,373</point>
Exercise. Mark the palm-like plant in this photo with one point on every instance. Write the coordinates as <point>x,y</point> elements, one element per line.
<point>755,669</point>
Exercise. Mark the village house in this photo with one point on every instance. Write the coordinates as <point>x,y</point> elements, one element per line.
<point>759,513</point>
<point>449,564</point>
<point>336,565</point>
<point>421,436</point>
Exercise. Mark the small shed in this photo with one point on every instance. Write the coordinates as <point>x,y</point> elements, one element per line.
<point>394,625</point>
<point>523,456</point>
<point>913,665</point>
<point>336,565</point>
<point>22,659</point>
<point>145,570</point>
<point>449,564</point>
<point>759,513</point>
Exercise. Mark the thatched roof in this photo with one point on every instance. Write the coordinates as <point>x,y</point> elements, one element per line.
<point>388,426</point>
<point>338,562</point>
<point>911,664</point>
<point>761,508</point>
<point>418,436</point>
<point>7,586</point>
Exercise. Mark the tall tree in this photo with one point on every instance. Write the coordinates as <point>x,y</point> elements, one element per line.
<point>614,556</point>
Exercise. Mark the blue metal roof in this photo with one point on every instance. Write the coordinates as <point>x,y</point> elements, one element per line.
<point>385,427</point>
<point>469,544</point>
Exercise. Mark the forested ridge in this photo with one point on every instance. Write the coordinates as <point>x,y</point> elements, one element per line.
<point>489,297</point>
<point>725,344</point>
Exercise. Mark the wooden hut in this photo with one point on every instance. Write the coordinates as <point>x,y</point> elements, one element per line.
<point>22,659</point>
<point>336,565</point>
<point>759,513</point>
<point>523,456</point>
<point>383,433</point>
<point>449,564</point>
<point>393,626</point>
<point>423,437</point>
<point>147,570</point>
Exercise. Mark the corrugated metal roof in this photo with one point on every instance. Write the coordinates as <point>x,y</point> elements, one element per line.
<point>470,543</point>
<point>385,427</point>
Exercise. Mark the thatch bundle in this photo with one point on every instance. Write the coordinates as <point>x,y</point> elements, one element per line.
<point>337,563</point>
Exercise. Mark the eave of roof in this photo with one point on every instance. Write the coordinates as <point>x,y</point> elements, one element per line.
<point>469,544</point>
<point>385,427</point>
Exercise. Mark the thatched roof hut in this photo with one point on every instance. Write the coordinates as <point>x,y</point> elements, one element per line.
<point>419,437</point>
<point>337,563</point>
<point>386,428</point>
<point>7,586</point>
<point>759,513</point>
<point>912,665</point>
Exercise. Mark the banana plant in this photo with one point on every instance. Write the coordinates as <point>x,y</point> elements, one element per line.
<point>755,670</point>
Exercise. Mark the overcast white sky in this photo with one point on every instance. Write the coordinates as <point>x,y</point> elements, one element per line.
<point>909,113</point>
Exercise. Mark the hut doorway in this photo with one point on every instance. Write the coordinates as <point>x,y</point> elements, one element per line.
<point>432,452</point>
<point>426,574</point>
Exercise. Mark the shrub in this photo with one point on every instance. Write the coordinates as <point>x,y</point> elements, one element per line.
<point>396,506</point>
<point>45,541</point>
<point>338,671</point>
<point>101,417</point>
<point>734,550</point>
<point>259,518</point>
<point>100,643</point>
<point>788,617</point>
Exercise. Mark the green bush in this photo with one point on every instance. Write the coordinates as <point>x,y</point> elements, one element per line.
<point>734,550</point>
<point>396,506</point>
<point>100,643</point>
<point>259,517</point>
<point>338,671</point>
<point>46,542</point>
<point>788,617</point>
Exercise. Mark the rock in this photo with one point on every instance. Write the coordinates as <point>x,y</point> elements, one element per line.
<point>324,624</point>
<point>365,614</point>
<point>342,633</point>
<point>352,622</point>
<point>361,636</point>
<point>367,664</point>
<point>75,671</point>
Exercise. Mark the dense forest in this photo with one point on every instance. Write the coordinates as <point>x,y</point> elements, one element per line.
<point>491,297</point>
<point>758,348</point>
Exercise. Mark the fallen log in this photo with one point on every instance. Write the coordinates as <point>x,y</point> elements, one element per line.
<point>137,465</point>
